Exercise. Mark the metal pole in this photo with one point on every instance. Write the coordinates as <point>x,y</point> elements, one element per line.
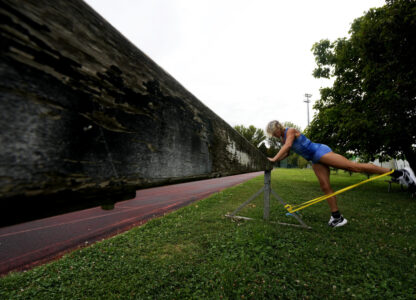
<point>267,179</point>
<point>307,101</point>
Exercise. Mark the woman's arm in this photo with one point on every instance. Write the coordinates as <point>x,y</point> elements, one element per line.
<point>284,151</point>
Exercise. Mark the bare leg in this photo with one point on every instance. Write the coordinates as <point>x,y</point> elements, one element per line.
<point>323,172</point>
<point>340,162</point>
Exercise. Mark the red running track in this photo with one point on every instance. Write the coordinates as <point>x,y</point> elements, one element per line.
<point>26,245</point>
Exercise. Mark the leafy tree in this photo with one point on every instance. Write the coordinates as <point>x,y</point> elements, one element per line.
<point>292,125</point>
<point>263,149</point>
<point>274,142</point>
<point>370,110</point>
<point>252,134</point>
<point>302,163</point>
<point>272,151</point>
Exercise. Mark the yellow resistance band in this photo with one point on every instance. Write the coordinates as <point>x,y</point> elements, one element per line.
<point>293,208</point>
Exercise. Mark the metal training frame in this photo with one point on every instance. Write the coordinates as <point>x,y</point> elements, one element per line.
<point>267,190</point>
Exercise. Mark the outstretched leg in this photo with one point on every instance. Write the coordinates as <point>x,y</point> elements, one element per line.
<point>340,162</point>
<point>322,172</point>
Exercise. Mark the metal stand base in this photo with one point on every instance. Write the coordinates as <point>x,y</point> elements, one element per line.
<point>266,210</point>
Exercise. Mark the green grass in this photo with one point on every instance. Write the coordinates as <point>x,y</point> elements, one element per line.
<point>196,252</point>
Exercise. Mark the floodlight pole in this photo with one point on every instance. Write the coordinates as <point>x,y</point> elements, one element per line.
<point>307,101</point>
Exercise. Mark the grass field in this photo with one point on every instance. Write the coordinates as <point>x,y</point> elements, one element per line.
<point>197,253</point>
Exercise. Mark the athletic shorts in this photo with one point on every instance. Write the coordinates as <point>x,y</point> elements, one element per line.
<point>320,151</point>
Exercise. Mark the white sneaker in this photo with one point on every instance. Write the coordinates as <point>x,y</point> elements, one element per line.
<point>408,178</point>
<point>341,221</point>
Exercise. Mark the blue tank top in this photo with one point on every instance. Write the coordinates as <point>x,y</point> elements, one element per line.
<point>303,146</point>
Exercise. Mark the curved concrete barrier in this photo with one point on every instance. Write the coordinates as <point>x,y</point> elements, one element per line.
<point>85,114</point>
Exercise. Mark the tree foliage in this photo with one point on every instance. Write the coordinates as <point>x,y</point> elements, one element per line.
<point>252,134</point>
<point>263,149</point>
<point>371,108</point>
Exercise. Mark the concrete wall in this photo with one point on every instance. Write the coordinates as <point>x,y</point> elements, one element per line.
<point>84,111</point>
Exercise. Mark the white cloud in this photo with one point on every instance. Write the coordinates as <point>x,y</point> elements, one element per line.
<point>249,61</point>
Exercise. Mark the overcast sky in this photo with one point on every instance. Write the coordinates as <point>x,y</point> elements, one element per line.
<point>248,61</point>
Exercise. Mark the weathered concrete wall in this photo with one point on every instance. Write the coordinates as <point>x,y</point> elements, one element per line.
<point>83,110</point>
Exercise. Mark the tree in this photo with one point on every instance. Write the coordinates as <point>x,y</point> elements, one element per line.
<point>252,134</point>
<point>263,149</point>
<point>302,163</point>
<point>370,110</point>
<point>291,125</point>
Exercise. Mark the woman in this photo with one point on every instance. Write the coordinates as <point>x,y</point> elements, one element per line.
<point>322,158</point>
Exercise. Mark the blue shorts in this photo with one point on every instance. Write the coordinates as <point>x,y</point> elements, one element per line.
<point>320,151</point>
<point>308,150</point>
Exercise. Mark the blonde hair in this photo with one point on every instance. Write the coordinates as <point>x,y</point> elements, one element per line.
<point>272,126</point>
